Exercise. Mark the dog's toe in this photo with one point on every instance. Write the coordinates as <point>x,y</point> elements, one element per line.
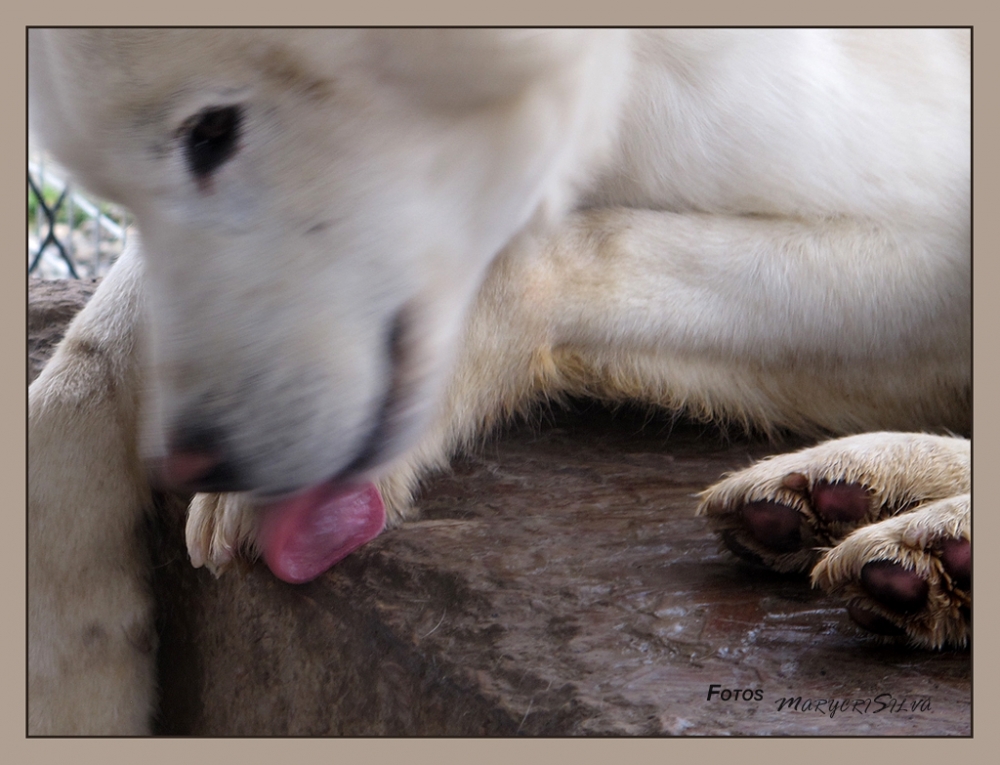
<point>221,529</point>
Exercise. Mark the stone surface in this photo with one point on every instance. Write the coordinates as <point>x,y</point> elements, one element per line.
<point>556,584</point>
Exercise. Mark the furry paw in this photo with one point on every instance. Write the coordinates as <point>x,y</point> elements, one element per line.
<point>910,575</point>
<point>785,510</point>
<point>221,529</point>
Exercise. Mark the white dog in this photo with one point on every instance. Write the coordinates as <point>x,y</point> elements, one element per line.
<point>361,248</point>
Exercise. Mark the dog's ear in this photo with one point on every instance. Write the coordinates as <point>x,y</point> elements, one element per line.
<point>466,68</point>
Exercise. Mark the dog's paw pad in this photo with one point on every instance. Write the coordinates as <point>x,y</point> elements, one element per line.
<point>909,576</point>
<point>774,526</point>
<point>779,528</point>
<point>894,587</point>
<point>783,511</point>
<point>841,502</point>
<point>786,530</point>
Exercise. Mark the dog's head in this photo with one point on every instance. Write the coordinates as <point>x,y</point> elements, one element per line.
<point>318,209</point>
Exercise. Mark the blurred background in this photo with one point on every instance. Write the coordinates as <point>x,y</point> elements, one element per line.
<point>71,235</point>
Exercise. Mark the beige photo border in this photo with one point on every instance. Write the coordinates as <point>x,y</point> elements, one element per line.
<point>521,13</point>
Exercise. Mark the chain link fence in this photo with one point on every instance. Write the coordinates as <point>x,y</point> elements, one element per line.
<point>70,234</point>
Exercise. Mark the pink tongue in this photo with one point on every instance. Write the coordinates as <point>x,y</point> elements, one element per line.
<point>306,534</point>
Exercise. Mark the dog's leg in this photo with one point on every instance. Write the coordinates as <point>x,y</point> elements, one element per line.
<point>833,325</point>
<point>91,636</point>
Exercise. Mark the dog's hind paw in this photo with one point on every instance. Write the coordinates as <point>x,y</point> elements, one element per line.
<point>221,530</point>
<point>785,510</point>
<point>910,575</point>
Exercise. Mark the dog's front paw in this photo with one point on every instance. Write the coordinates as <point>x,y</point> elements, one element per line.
<point>910,575</point>
<point>785,510</point>
<point>221,529</point>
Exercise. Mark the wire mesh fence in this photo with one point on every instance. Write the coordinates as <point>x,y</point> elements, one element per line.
<point>70,234</point>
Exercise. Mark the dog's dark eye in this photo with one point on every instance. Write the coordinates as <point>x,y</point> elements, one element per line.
<point>211,138</point>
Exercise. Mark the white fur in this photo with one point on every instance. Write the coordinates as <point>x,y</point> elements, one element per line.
<point>769,225</point>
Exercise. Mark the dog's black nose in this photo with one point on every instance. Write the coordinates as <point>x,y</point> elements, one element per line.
<point>197,461</point>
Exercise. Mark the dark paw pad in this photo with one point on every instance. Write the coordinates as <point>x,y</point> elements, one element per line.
<point>775,526</point>
<point>894,587</point>
<point>840,502</point>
